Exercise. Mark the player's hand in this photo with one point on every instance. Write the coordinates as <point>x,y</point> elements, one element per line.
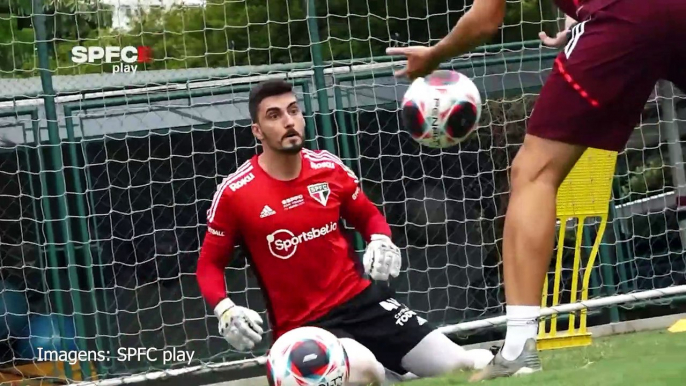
<point>421,60</point>
<point>240,326</point>
<point>382,258</point>
<point>558,41</point>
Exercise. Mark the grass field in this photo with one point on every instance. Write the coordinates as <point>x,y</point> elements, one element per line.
<point>647,358</point>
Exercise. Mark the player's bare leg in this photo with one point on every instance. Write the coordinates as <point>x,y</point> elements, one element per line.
<point>538,170</point>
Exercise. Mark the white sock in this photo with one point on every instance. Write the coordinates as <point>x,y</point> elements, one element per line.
<point>522,324</point>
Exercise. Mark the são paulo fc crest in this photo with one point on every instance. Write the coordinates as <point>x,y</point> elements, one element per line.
<point>320,192</point>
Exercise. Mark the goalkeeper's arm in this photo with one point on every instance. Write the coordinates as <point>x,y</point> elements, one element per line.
<point>381,258</point>
<point>240,326</point>
<point>215,253</point>
<point>363,215</point>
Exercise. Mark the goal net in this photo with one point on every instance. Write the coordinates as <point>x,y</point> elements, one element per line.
<point>119,118</point>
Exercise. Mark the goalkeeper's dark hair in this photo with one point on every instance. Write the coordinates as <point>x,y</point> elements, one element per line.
<point>265,90</point>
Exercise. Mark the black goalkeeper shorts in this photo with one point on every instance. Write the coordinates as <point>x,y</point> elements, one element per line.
<point>373,318</point>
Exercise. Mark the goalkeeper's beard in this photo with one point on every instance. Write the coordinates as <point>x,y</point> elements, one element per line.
<point>291,145</point>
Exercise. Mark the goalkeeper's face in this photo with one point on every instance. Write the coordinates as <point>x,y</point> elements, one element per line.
<point>281,125</point>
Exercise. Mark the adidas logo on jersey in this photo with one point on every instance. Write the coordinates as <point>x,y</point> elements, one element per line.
<point>267,211</point>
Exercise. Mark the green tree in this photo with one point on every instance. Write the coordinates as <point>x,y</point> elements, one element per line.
<point>360,29</point>
<point>646,179</point>
<point>68,23</point>
<point>222,34</point>
<point>251,32</point>
<point>16,49</point>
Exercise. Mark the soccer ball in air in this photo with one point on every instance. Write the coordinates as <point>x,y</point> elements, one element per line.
<point>307,356</point>
<point>442,109</point>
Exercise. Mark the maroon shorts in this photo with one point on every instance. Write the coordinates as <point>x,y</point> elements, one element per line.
<point>603,78</point>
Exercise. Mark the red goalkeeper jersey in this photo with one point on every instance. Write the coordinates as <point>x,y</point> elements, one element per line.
<point>305,264</point>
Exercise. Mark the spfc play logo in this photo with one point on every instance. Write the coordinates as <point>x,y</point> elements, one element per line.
<point>320,192</point>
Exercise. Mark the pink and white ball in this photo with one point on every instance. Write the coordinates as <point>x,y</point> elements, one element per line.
<point>442,109</point>
<point>307,356</point>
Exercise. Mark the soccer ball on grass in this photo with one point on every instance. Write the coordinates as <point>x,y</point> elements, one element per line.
<point>307,356</point>
<point>442,109</point>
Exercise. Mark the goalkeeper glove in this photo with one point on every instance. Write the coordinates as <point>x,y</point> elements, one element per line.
<point>382,258</point>
<point>240,326</point>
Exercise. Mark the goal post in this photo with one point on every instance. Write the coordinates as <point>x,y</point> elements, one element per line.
<point>108,168</point>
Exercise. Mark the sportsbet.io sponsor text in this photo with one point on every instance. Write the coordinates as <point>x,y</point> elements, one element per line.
<point>122,354</point>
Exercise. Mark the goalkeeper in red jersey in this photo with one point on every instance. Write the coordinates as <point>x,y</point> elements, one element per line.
<point>284,205</point>
<point>615,51</point>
